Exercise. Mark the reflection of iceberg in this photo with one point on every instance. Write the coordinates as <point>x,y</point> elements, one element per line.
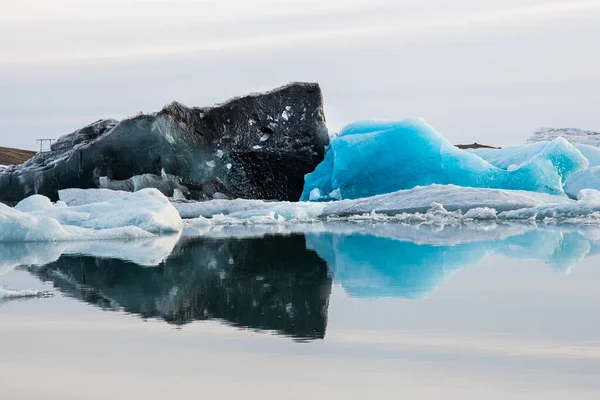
<point>7,294</point>
<point>370,266</point>
<point>146,252</point>
<point>375,265</point>
<point>274,284</point>
<point>560,249</point>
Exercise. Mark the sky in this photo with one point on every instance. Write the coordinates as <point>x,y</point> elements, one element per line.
<point>490,71</point>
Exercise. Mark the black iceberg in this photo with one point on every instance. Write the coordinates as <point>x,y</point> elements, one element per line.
<point>258,146</point>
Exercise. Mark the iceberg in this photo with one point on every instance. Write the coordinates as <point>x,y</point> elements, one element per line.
<point>371,158</point>
<point>258,146</point>
<point>512,157</point>
<point>573,135</point>
<point>138,215</point>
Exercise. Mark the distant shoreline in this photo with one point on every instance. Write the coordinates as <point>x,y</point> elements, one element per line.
<point>9,156</point>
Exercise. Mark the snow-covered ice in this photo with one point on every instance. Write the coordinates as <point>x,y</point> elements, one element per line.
<point>80,197</point>
<point>371,157</point>
<point>136,215</point>
<point>573,135</point>
<point>427,202</point>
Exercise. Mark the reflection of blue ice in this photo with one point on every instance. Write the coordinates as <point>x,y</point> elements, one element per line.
<point>561,250</point>
<point>368,265</point>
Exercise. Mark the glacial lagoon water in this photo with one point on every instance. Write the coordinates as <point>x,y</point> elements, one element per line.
<point>325,310</point>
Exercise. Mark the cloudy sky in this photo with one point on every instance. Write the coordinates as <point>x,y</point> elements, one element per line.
<point>489,71</point>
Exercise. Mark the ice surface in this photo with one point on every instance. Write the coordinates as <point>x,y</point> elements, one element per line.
<point>585,210</point>
<point>430,203</point>
<point>80,197</point>
<point>418,200</point>
<point>511,157</point>
<point>592,154</point>
<point>164,182</point>
<point>134,216</point>
<point>371,158</point>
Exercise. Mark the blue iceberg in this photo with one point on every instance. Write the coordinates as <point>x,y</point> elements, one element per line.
<point>371,157</point>
<point>512,157</point>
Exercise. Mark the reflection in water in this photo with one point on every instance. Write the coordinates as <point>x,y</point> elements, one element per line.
<point>279,278</point>
<point>404,262</point>
<point>273,284</point>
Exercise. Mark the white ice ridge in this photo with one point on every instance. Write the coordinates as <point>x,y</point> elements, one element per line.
<point>427,203</point>
<point>138,215</point>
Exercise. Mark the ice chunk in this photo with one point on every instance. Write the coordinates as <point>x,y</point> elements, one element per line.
<point>164,182</point>
<point>136,215</point>
<point>34,203</point>
<point>315,195</point>
<point>592,154</point>
<point>586,179</point>
<point>178,195</point>
<point>406,203</point>
<point>80,197</point>
<point>586,209</point>
<point>371,158</point>
<point>453,198</point>
<point>560,153</point>
<point>481,213</point>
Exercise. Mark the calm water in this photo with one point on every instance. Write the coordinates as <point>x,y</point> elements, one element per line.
<point>348,311</point>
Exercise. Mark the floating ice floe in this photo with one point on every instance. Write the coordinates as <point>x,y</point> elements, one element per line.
<point>138,215</point>
<point>371,158</point>
<point>434,203</point>
<point>144,214</point>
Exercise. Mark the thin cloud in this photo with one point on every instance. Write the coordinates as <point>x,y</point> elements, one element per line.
<point>399,27</point>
